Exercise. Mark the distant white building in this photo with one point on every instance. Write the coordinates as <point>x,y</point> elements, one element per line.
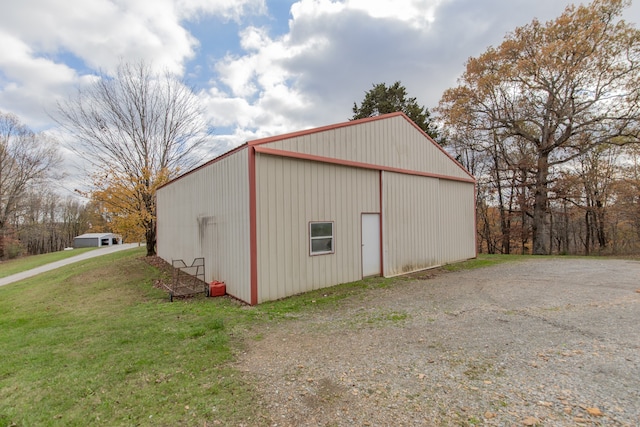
<point>90,240</point>
<point>307,210</point>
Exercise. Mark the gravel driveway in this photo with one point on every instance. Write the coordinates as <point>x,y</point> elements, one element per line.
<point>552,342</point>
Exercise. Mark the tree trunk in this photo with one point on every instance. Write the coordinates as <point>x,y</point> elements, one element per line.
<point>587,244</point>
<point>551,231</point>
<point>524,231</point>
<point>565,246</point>
<point>504,228</point>
<point>540,225</point>
<point>150,236</point>
<point>600,215</point>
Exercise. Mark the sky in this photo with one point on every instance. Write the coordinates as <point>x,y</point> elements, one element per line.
<point>259,67</point>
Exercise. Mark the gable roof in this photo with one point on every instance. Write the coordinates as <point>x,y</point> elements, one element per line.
<point>95,235</point>
<point>390,142</point>
<point>289,145</point>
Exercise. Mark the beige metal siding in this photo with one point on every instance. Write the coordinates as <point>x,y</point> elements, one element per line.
<point>426,222</point>
<point>206,213</point>
<point>411,223</point>
<point>392,142</point>
<point>457,210</point>
<point>290,194</point>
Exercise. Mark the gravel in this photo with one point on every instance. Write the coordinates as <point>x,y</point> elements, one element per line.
<point>552,342</point>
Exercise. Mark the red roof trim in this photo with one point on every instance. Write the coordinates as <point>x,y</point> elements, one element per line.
<point>354,123</point>
<point>267,140</point>
<point>313,157</point>
<point>204,165</point>
<point>438,146</point>
<point>323,129</point>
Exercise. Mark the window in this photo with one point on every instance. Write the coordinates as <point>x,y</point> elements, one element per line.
<point>321,238</point>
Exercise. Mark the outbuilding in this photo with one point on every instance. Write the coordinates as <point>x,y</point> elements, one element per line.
<point>288,214</point>
<point>90,240</point>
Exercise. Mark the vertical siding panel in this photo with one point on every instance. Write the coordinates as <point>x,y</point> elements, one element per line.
<point>343,149</point>
<point>294,228</point>
<point>274,235</point>
<point>284,210</point>
<point>220,192</point>
<point>458,232</point>
<point>316,192</point>
<point>410,223</point>
<point>310,195</point>
<point>331,148</point>
<point>262,218</point>
<point>426,222</point>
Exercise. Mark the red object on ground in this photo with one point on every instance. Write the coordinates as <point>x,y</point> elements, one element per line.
<point>217,289</point>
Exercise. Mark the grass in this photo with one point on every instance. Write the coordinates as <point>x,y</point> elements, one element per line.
<point>7,268</point>
<point>96,343</point>
<point>486,260</point>
<point>320,298</point>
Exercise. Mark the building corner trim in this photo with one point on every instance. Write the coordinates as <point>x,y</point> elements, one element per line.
<point>253,229</point>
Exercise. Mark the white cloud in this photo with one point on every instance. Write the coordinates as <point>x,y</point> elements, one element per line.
<point>228,9</point>
<point>32,84</point>
<point>335,51</point>
<point>100,32</point>
<point>309,74</point>
<point>331,55</point>
<point>49,46</point>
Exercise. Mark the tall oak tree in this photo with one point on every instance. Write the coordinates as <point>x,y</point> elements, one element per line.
<point>561,88</point>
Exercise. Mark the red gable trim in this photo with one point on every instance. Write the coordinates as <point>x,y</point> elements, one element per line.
<point>323,129</point>
<point>354,123</point>
<point>204,165</point>
<point>291,135</point>
<point>312,157</point>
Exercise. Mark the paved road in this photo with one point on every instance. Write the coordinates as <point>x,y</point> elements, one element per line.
<point>52,266</point>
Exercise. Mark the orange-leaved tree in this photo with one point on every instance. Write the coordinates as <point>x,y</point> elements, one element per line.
<point>126,199</point>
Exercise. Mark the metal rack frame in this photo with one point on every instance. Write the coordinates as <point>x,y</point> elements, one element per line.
<point>188,280</point>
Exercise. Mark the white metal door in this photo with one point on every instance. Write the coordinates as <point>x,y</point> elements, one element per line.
<point>370,245</point>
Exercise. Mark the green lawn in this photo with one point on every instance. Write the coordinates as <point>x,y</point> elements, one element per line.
<point>7,268</point>
<point>485,260</point>
<point>94,343</point>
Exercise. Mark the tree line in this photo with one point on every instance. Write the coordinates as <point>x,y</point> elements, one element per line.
<point>137,130</point>
<point>548,122</point>
<point>34,218</point>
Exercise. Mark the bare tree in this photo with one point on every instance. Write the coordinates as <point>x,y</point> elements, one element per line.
<point>138,128</point>
<point>26,160</point>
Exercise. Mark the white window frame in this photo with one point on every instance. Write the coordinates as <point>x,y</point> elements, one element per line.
<point>312,238</point>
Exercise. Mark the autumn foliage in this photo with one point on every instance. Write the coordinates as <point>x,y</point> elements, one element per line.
<point>138,129</point>
<point>128,201</point>
<point>538,120</point>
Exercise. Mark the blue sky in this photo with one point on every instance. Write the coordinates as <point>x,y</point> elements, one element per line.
<point>260,67</point>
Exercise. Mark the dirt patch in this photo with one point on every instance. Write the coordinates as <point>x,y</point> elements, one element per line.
<point>549,342</point>
<point>166,270</point>
<point>177,284</point>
